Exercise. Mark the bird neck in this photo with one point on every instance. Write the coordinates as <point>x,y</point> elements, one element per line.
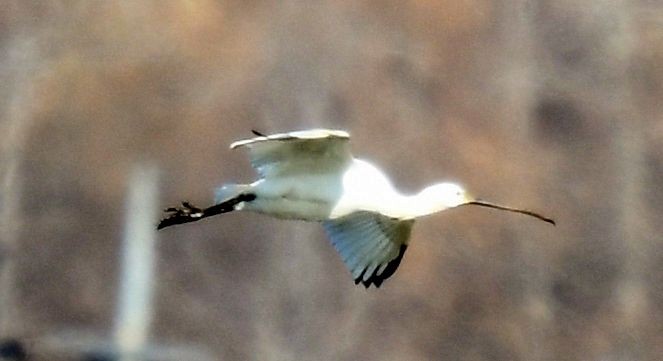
<point>422,204</point>
<point>413,206</point>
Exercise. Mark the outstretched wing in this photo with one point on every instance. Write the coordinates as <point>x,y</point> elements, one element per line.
<point>306,151</point>
<point>371,245</point>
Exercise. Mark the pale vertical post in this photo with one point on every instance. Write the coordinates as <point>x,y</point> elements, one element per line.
<point>15,122</point>
<point>134,308</point>
<point>135,290</point>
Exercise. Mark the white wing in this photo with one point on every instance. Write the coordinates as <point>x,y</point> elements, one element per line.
<point>371,245</point>
<point>307,151</point>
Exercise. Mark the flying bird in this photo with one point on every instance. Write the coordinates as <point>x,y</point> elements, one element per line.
<point>311,175</point>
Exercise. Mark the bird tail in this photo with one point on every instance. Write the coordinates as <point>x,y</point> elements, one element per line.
<point>229,191</point>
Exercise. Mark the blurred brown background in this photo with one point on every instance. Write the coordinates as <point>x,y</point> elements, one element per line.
<point>550,105</point>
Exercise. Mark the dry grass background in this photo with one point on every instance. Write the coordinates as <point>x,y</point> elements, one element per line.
<point>552,105</point>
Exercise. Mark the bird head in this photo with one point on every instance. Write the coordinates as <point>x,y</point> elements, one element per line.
<point>446,195</point>
<point>443,196</point>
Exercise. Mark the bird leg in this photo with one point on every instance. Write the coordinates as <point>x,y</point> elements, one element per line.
<point>189,213</point>
<point>184,214</point>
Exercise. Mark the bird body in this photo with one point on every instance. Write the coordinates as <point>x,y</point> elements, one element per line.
<point>311,175</point>
<point>319,197</point>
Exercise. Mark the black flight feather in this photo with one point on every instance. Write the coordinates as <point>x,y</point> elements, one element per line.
<point>388,272</point>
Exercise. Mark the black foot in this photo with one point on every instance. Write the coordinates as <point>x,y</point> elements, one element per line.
<point>178,215</point>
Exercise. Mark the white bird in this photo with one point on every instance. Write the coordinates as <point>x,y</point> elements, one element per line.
<point>311,175</point>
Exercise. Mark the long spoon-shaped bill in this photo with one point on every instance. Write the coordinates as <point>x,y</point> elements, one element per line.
<point>510,209</point>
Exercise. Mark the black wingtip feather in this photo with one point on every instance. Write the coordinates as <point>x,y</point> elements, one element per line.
<point>13,349</point>
<point>255,132</point>
<point>388,272</point>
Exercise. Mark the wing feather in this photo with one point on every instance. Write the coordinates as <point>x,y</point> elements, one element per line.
<point>369,256</point>
<point>306,151</point>
<point>371,245</point>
